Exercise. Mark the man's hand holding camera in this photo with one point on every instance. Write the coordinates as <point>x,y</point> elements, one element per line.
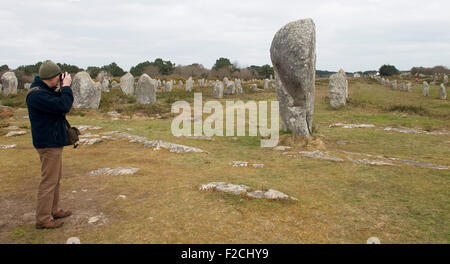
<point>66,79</point>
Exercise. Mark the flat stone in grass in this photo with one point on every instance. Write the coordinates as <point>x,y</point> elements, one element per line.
<point>318,155</point>
<point>371,162</point>
<point>15,133</point>
<point>115,172</point>
<point>89,141</point>
<point>8,146</point>
<point>351,125</point>
<point>12,128</point>
<point>73,240</point>
<point>98,219</point>
<point>239,163</point>
<point>232,188</point>
<point>241,189</point>
<point>281,148</point>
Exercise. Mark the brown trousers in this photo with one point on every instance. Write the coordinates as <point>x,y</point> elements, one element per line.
<point>48,193</point>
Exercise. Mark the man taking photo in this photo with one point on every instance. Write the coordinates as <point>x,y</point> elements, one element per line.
<point>46,109</point>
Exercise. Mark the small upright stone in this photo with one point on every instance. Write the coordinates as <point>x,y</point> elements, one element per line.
<point>337,91</point>
<point>293,55</point>
<point>127,84</point>
<point>408,87</point>
<point>239,89</point>
<point>394,85</point>
<point>146,90</point>
<point>105,85</point>
<point>230,88</point>
<point>9,83</point>
<point>445,79</point>
<point>442,92</point>
<point>266,84</point>
<point>168,86</point>
<point>425,89</point>
<point>218,90</point>
<point>189,84</point>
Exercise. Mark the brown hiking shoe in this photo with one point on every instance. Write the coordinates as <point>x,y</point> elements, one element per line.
<point>61,214</point>
<point>52,224</point>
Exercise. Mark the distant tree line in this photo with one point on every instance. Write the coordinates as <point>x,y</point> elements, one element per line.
<point>429,71</point>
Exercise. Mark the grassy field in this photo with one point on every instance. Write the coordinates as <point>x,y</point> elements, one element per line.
<point>338,202</point>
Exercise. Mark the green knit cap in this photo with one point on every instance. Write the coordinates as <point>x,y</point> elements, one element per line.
<point>49,70</point>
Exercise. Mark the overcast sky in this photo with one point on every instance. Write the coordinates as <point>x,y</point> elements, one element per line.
<point>350,34</point>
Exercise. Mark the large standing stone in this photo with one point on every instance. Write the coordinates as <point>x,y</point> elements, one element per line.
<point>9,83</point>
<point>425,89</point>
<point>337,90</point>
<point>218,90</point>
<point>445,79</point>
<point>101,76</point>
<point>387,83</point>
<point>442,92</point>
<point>127,84</point>
<point>230,88</point>
<point>189,84</point>
<point>86,93</point>
<point>293,55</point>
<point>146,90</point>
<point>168,86</point>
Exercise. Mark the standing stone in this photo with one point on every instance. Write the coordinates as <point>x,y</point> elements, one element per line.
<point>442,92</point>
<point>394,85</point>
<point>1,87</point>
<point>105,85</point>
<point>168,86</point>
<point>101,76</point>
<point>218,90</point>
<point>27,86</point>
<point>425,89</point>
<point>383,81</point>
<point>189,84</point>
<point>445,79</point>
<point>113,84</point>
<point>266,84</point>
<point>9,83</point>
<point>402,86</point>
<point>342,72</point>
<point>293,55</point>
<point>387,83</point>
<point>225,80</point>
<point>254,86</point>
<point>180,83</point>
<point>230,88</point>
<point>408,87</point>
<point>146,90</point>
<point>86,93</point>
<point>239,89</point>
<point>337,90</point>
<point>94,101</point>
<point>127,84</point>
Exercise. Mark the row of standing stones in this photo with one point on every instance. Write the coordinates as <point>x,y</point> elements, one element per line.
<point>407,86</point>
<point>293,56</point>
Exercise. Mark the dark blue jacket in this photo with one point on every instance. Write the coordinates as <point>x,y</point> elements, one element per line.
<point>46,109</point>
